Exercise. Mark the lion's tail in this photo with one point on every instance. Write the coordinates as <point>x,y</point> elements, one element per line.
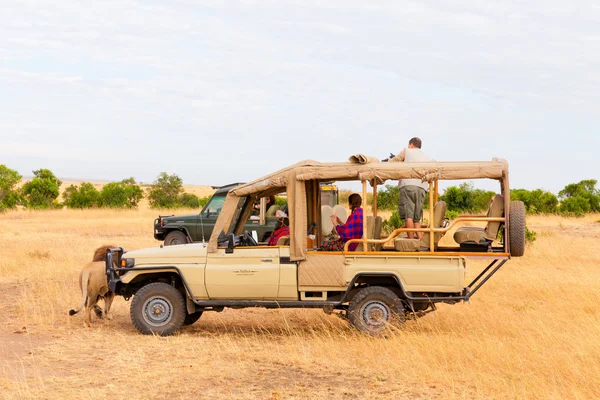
<point>84,289</point>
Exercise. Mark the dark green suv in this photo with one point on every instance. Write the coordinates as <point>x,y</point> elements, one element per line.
<point>180,229</point>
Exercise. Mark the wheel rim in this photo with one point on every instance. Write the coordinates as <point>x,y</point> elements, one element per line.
<point>175,240</point>
<point>375,314</point>
<point>158,311</point>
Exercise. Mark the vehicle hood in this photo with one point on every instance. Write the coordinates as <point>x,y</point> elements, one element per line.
<point>193,253</point>
<point>174,218</point>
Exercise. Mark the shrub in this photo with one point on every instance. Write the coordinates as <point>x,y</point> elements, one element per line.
<point>42,191</point>
<point>530,236</point>
<point>536,201</point>
<point>9,196</point>
<point>280,201</point>
<point>165,192</point>
<point>579,198</point>
<point>124,194</point>
<point>451,214</point>
<point>189,200</point>
<point>84,196</point>
<point>390,225</point>
<point>388,198</point>
<point>466,198</point>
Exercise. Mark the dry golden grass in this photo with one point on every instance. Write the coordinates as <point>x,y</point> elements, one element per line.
<point>532,332</point>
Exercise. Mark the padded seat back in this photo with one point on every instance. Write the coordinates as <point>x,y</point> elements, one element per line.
<point>373,232</point>
<point>471,234</point>
<point>272,210</point>
<point>439,214</point>
<point>496,210</point>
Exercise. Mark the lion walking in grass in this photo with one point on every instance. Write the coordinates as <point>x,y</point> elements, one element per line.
<point>94,286</point>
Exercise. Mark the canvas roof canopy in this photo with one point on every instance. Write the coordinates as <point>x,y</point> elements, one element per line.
<point>293,180</point>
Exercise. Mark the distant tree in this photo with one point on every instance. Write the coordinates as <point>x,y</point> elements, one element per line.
<point>165,192</point>
<point>9,196</point>
<point>42,191</point>
<point>580,198</point>
<point>124,194</point>
<point>536,201</point>
<point>189,200</point>
<point>388,197</point>
<point>84,196</point>
<point>466,198</point>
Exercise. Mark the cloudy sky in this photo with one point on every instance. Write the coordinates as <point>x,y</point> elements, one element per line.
<point>225,91</point>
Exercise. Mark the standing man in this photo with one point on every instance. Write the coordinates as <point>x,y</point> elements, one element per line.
<point>412,191</point>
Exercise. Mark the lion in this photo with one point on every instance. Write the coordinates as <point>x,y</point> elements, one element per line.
<point>94,286</point>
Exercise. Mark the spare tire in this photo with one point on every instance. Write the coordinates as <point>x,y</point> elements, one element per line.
<point>516,221</point>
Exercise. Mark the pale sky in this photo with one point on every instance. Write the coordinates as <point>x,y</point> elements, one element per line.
<point>228,91</point>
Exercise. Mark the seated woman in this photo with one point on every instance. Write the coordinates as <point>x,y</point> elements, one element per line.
<point>352,229</point>
<point>282,228</point>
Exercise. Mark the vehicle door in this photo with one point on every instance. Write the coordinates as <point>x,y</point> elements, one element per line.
<point>247,273</point>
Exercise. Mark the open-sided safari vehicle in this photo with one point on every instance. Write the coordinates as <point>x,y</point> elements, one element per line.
<point>382,283</point>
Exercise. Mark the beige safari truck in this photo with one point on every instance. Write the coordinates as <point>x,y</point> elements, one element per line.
<point>384,282</point>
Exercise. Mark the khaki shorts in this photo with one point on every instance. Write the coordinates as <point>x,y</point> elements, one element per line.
<point>411,202</point>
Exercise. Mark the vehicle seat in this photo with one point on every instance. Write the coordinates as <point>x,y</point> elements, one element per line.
<point>373,232</point>
<point>483,236</point>
<point>405,244</point>
<point>283,241</point>
<point>326,224</point>
<point>272,210</point>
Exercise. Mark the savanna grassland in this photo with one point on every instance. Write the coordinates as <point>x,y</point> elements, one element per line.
<point>532,332</point>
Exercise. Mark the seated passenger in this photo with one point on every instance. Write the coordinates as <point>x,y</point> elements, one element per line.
<point>352,229</point>
<point>282,228</point>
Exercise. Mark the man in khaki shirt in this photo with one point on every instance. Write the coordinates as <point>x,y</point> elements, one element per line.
<point>412,191</point>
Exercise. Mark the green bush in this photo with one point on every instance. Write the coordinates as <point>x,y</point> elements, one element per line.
<point>451,214</point>
<point>9,196</point>
<point>390,225</point>
<point>579,198</point>
<point>466,198</point>
<point>530,236</point>
<point>388,198</point>
<point>84,196</point>
<point>536,201</point>
<point>280,201</point>
<point>189,200</point>
<point>166,191</point>
<point>42,191</point>
<point>124,194</point>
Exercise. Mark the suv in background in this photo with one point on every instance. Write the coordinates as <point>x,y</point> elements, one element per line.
<point>189,228</point>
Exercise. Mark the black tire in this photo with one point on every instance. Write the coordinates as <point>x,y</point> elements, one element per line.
<point>157,308</point>
<point>374,308</point>
<point>192,318</point>
<point>175,237</point>
<point>516,221</point>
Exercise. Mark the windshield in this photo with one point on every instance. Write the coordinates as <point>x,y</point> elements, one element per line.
<point>214,205</point>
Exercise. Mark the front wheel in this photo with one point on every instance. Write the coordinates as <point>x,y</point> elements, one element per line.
<point>174,238</point>
<point>373,309</point>
<point>157,308</point>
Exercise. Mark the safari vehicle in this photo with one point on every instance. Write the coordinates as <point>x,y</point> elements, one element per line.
<point>384,282</point>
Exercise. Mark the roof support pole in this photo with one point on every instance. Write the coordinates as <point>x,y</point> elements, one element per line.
<point>431,217</point>
<point>374,198</point>
<point>364,196</point>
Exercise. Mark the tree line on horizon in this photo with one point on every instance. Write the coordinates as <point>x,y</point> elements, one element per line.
<point>42,192</point>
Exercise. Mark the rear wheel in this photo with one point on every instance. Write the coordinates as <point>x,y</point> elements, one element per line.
<point>175,237</point>
<point>157,308</point>
<point>373,309</point>
<point>516,221</point>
